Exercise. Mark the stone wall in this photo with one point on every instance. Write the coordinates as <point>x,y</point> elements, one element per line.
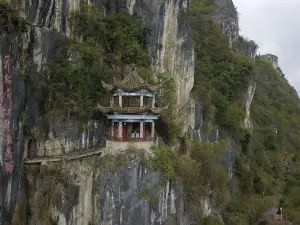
<point>145,145</point>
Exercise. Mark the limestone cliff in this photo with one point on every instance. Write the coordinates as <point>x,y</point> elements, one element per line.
<point>109,190</point>
<point>226,16</point>
<point>273,59</point>
<point>87,191</point>
<point>170,47</point>
<point>170,44</point>
<point>246,47</point>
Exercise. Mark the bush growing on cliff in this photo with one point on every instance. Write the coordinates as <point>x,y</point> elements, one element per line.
<point>246,210</point>
<point>211,178</point>
<point>122,36</point>
<point>199,170</point>
<point>221,78</point>
<point>53,187</point>
<point>212,220</point>
<point>275,111</point>
<point>163,161</point>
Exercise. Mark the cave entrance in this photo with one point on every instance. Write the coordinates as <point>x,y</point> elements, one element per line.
<point>32,148</point>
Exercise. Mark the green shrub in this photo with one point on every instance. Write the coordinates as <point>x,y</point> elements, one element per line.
<point>163,161</point>
<point>212,220</point>
<point>144,193</point>
<point>125,45</point>
<point>199,170</point>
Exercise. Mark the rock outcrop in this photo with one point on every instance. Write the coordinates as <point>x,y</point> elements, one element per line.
<point>273,59</point>
<point>248,101</point>
<point>247,47</point>
<point>226,16</point>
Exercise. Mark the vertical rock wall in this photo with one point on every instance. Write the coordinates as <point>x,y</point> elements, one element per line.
<point>9,46</point>
<point>225,15</point>
<point>170,45</point>
<point>119,194</point>
<point>248,101</point>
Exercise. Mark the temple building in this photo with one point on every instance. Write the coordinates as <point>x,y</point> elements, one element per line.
<point>132,112</point>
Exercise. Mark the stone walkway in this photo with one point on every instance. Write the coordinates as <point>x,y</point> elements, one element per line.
<point>66,157</point>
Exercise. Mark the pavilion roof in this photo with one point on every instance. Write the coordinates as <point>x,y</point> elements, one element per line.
<point>131,82</point>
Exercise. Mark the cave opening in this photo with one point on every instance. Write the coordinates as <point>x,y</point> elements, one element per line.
<point>32,148</point>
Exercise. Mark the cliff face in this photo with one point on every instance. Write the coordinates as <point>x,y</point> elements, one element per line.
<point>122,192</point>
<point>87,191</point>
<point>170,45</point>
<point>170,42</point>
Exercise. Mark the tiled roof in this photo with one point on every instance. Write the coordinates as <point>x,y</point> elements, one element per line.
<point>131,82</point>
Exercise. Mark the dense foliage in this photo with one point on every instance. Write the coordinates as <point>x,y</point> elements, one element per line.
<point>221,75</point>
<point>121,36</point>
<point>269,168</point>
<point>275,139</point>
<point>267,165</point>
